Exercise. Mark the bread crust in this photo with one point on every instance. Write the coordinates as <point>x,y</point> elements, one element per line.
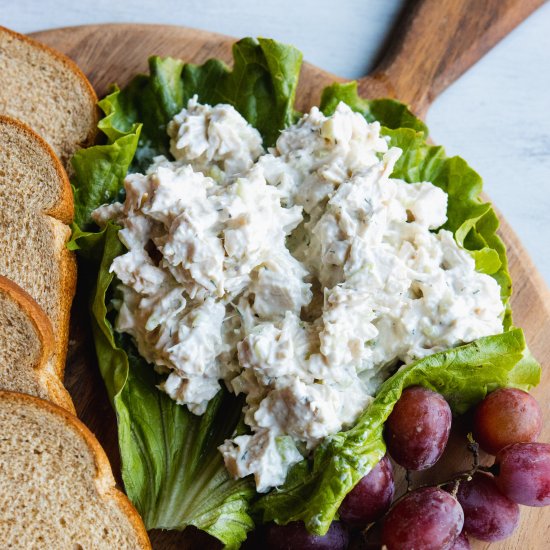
<point>64,212</point>
<point>68,280</point>
<point>104,479</point>
<point>52,384</point>
<point>70,65</point>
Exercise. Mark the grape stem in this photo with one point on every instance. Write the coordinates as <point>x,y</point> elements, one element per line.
<point>455,487</point>
<point>473,447</point>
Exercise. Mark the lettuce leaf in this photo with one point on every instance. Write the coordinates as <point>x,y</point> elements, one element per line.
<point>390,113</point>
<point>170,466</point>
<point>314,489</point>
<point>261,86</point>
<point>99,171</point>
<point>151,101</point>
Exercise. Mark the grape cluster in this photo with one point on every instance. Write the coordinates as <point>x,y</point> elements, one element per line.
<point>482,503</point>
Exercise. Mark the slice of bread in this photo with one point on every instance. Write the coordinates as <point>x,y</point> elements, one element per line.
<point>35,205</point>
<point>56,486</point>
<point>26,345</point>
<point>47,91</point>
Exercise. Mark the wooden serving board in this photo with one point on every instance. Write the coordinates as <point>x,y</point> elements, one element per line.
<point>436,42</point>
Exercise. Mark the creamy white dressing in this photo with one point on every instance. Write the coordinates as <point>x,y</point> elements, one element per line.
<point>298,277</point>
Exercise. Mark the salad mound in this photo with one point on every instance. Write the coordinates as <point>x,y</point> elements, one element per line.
<point>171,466</point>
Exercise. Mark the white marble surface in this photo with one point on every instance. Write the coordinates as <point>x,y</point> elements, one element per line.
<point>497,116</point>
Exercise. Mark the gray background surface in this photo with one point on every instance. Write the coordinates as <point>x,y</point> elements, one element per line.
<point>497,116</point>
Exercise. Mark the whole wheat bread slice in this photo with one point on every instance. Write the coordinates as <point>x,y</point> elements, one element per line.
<point>47,91</point>
<point>26,345</point>
<point>56,486</point>
<point>35,205</point>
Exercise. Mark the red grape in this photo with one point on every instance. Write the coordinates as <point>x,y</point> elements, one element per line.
<point>461,543</point>
<point>426,519</point>
<point>524,473</point>
<point>418,428</point>
<point>295,535</point>
<point>504,417</point>
<point>370,498</point>
<point>488,514</point>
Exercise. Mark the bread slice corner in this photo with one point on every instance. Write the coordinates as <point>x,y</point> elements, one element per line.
<point>56,486</point>
<point>46,90</point>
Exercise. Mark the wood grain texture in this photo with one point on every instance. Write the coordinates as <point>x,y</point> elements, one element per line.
<point>436,41</point>
<point>109,53</point>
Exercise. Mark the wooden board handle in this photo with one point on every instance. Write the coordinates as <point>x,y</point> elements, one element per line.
<point>436,42</point>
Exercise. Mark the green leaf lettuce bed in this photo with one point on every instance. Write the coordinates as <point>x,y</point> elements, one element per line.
<point>171,468</point>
